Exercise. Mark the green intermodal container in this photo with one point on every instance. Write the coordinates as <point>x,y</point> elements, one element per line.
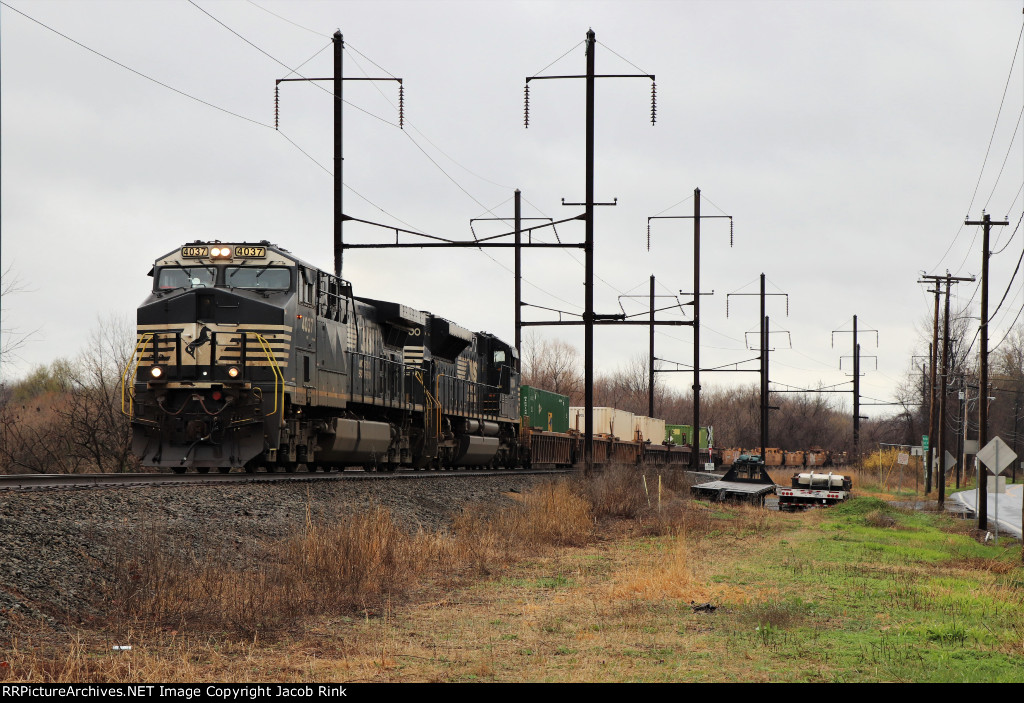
<point>683,434</point>
<point>678,434</point>
<point>543,410</point>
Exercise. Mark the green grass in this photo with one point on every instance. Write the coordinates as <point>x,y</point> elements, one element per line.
<point>879,594</point>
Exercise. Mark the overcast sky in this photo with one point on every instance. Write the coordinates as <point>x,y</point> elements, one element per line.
<point>846,139</point>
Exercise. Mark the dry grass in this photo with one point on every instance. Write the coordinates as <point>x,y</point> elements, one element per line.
<point>356,563</point>
<point>359,599</point>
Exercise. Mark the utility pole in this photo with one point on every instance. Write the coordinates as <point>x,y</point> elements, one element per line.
<point>588,285</point>
<point>986,223</point>
<point>339,80</point>
<point>959,434</point>
<point>519,276</point>
<point>764,384</point>
<point>696,217</point>
<point>942,399</point>
<point>933,350</point>
<point>650,379</point>
<point>856,390</point>
<point>766,406</point>
<point>1016,413</point>
<point>857,417</point>
<point>764,375</point>
<point>937,421</point>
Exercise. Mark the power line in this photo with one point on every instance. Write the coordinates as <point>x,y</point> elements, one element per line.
<point>1002,100</point>
<point>138,73</point>
<point>290,69</point>
<point>313,31</point>
<point>1009,150</point>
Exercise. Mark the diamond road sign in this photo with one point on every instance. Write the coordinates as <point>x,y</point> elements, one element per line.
<point>997,455</point>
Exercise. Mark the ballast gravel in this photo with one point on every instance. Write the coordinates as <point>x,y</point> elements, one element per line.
<point>58,547</point>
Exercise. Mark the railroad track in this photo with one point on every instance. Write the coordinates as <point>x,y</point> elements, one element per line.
<point>28,482</point>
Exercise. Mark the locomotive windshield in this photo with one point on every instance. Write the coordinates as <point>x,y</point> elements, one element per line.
<point>257,278</point>
<point>185,277</point>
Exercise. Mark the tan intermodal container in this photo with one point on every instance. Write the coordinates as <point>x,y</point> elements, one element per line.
<point>772,456</point>
<point>648,428</point>
<point>608,421</point>
<point>816,457</point>
<point>794,458</point>
<point>729,456</point>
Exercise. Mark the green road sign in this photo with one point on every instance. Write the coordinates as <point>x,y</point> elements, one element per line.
<point>924,442</point>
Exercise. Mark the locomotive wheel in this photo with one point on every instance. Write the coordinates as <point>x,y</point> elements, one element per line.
<point>224,469</point>
<point>203,469</point>
<point>270,467</point>
<point>289,468</point>
<point>178,469</point>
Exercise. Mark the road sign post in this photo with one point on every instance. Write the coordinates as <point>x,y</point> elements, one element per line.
<point>996,455</point>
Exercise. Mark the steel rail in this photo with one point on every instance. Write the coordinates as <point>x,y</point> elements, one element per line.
<point>73,481</point>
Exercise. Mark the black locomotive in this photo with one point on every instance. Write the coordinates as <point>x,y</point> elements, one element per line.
<point>248,356</point>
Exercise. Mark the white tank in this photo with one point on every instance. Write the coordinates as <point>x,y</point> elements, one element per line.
<point>812,480</point>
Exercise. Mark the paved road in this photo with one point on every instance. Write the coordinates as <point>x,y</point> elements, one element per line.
<point>1007,504</point>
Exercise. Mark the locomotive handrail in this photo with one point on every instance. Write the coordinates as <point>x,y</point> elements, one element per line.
<point>278,376</point>
<point>140,345</point>
<point>431,401</point>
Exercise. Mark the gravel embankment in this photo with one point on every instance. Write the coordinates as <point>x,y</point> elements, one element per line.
<point>58,548</point>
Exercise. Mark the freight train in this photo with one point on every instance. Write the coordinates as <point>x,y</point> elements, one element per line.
<point>247,357</point>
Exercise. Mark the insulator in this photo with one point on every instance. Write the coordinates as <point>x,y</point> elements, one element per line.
<point>526,106</point>
<point>401,106</point>
<point>277,102</point>
<point>648,236</point>
<point>654,101</point>
<point>730,232</point>
<point>787,306</point>
<point>727,306</point>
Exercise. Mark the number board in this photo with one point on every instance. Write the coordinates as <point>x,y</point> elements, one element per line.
<point>194,252</point>
<point>251,252</point>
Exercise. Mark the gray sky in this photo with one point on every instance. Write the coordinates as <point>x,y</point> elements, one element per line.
<point>845,138</point>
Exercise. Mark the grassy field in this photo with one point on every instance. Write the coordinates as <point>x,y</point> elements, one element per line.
<point>575,582</point>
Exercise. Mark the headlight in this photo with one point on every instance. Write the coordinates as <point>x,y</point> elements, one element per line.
<point>220,253</point>
<point>157,373</point>
<point>233,372</point>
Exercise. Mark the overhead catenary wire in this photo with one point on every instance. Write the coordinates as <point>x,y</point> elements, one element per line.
<point>415,143</point>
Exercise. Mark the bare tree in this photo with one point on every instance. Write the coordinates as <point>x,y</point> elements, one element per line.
<point>67,417</point>
<point>11,339</point>
<point>553,365</point>
<point>100,431</point>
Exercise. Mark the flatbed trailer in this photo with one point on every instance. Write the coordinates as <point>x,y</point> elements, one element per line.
<point>747,481</point>
<point>811,489</point>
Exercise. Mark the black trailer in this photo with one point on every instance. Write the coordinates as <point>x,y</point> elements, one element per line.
<point>747,481</point>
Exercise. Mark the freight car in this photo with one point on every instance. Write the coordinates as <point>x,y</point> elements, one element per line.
<point>248,356</point>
